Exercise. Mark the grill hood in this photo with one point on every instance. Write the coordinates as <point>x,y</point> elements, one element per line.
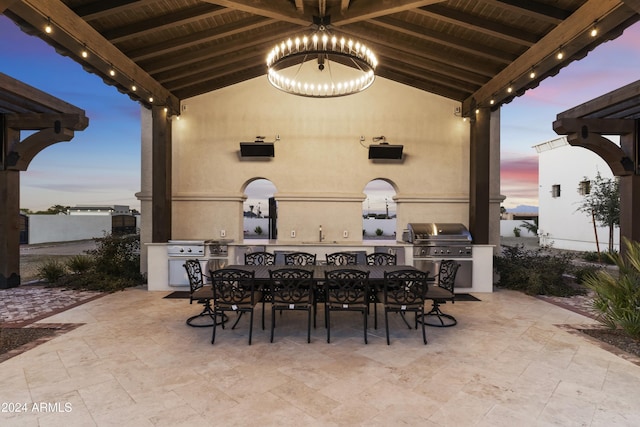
<point>435,233</point>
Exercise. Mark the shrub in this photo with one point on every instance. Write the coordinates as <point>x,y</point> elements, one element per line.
<point>617,299</point>
<point>379,232</point>
<point>117,256</point>
<point>79,264</point>
<point>258,230</point>
<point>51,271</point>
<point>533,272</point>
<point>516,231</point>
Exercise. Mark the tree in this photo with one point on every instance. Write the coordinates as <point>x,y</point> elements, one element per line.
<point>602,203</point>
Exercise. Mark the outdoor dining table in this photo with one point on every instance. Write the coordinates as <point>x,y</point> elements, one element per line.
<point>376,272</point>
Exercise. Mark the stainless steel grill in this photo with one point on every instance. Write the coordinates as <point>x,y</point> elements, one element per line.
<point>439,240</point>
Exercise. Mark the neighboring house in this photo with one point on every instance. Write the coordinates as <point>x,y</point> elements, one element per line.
<point>99,210</point>
<point>565,176</point>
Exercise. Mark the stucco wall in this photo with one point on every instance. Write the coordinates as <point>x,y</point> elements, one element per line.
<point>561,225</point>
<point>320,166</point>
<point>66,228</point>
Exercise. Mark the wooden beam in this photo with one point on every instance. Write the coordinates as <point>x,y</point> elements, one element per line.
<point>363,11</point>
<point>4,4</point>
<point>579,22</point>
<point>448,40</point>
<point>22,154</point>
<point>568,125</point>
<point>595,107</point>
<point>161,176</point>
<point>34,121</point>
<point>282,10</point>
<point>159,23</point>
<point>633,4</point>
<point>612,154</point>
<point>484,26</point>
<point>210,35</point>
<point>9,229</point>
<point>101,9</point>
<point>34,100</point>
<point>187,63</point>
<point>75,34</point>
<point>479,179</point>
<point>532,9</point>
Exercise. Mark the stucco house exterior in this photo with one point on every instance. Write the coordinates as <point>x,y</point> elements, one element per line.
<point>565,174</point>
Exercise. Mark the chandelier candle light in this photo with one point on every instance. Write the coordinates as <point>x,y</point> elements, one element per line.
<point>286,60</point>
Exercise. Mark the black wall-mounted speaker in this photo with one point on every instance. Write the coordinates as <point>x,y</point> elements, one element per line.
<point>385,151</point>
<point>256,149</point>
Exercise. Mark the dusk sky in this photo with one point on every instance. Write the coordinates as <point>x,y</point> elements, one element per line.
<point>101,165</point>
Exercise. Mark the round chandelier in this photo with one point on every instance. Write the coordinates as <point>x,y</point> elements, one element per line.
<point>303,65</point>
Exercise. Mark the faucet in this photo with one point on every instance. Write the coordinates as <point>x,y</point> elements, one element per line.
<point>320,238</point>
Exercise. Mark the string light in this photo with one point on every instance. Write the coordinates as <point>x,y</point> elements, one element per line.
<point>532,74</point>
<point>594,30</point>
<point>48,28</point>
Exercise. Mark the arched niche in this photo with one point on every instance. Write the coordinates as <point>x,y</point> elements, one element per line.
<point>379,210</point>
<point>259,209</point>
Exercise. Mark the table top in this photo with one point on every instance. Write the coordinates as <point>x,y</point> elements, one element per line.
<point>376,272</point>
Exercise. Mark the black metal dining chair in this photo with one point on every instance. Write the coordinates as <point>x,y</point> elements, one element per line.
<point>233,290</point>
<point>291,289</point>
<point>261,258</point>
<point>404,291</point>
<point>299,258</point>
<point>346,290</point>
<point>381,258</point>
<point>342,258</point>
<point>440,292</point>
<point>200,292</point>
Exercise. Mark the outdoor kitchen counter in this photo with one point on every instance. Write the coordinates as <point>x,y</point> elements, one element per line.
<point>481,276</point>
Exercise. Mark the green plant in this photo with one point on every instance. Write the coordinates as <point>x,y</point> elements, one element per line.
<point>379,232</point>
<point>533,272</point>
<point>51,271</point>
<point>516,231</point>
<point>531,227</point>
<point>117,257</point>
<point>258,230</point>
<point>79,264</point>
<point>617,299</point>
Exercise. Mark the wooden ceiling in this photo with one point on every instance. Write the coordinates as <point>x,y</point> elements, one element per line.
<point>471,51</point>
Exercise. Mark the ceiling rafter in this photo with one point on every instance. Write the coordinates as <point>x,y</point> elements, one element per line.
<point>159,23</point>
<point>200,37</point>
<point>579,22</point>
<point>100,8</point>
<point>484,26</point>
<point>363,11</point>
<point>191,59</point>
<point>77,31</point>
<point>443,39</point>
<point>535,10</point>
<point>282,10</point>
<point>418,49</point>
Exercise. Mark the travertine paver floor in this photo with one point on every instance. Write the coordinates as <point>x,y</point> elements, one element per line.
<point>134,362</point>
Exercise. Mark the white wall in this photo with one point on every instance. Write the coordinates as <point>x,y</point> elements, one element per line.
<point>66,228</point>
<point>507,226</point>
<point>561,225</point>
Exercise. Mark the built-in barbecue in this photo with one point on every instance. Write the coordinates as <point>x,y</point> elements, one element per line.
<point>438,240</point>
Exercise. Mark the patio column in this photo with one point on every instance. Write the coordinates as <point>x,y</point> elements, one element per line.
<point>9,229</point>
<point>161,176</point>
<point>479,167</point>
<point>630,188</point>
